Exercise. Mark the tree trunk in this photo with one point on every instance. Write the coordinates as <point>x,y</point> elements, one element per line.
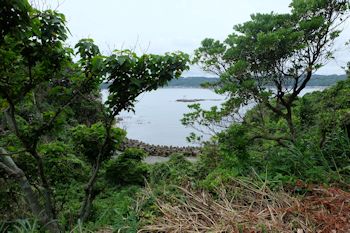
<point>48,200</point>
<point>47,191</point>
<point>289,119</point>
<point>89,190</point>
<point>7,164</point>
<point>89,195</point>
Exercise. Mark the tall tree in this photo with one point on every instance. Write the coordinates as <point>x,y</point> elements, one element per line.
<point>128,76</point>
<point>281,51</point>
<point>27,34</point>
<point>34,58</point>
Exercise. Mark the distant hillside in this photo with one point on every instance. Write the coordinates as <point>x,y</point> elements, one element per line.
<point>317,80</point>
<point>191,81</point>
<point>326,80</point>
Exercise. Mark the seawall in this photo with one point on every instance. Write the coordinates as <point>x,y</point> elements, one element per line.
<point>161,150</point>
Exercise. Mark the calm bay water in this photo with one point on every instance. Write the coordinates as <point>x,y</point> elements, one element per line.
<point>157,114</point>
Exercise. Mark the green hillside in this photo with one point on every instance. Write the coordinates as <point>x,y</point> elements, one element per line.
<point>317,80</point>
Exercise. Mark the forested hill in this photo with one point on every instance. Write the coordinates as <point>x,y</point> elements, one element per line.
<point>317,80</point>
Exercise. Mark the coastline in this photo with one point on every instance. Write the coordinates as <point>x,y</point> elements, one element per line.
<point>161,150</point>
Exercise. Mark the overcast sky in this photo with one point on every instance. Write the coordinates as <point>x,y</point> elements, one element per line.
<point>159,26</point>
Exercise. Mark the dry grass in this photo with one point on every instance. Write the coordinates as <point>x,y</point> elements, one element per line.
<point>246,207</point>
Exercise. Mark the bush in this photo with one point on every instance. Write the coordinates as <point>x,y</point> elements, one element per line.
<point>62,166</point>
<point>89,140</point>
<point>128,168</point>
<point>115,210</point>
<point>175,171</point>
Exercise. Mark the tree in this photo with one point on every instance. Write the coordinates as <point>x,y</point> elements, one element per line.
<point>281,51</point>
<point>129,75</point>
<point>26,34</point>
<point>37,94</point>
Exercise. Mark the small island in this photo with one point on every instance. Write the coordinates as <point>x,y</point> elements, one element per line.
<point>195,100</point>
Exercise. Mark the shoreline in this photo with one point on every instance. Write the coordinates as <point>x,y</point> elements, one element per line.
<point>161,150</point>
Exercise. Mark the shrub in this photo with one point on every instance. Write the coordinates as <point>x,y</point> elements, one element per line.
<point>115,210</point>
<point>89,140</point>
<point>128,168</point>
<point>175,171</point>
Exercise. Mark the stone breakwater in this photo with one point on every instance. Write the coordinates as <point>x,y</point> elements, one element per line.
<point>159,150</point>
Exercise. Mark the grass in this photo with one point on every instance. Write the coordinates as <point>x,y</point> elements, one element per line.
<point>246,206</point>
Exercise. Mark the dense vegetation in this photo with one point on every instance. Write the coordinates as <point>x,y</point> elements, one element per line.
<point>56,132</point>
<point>282,167</point>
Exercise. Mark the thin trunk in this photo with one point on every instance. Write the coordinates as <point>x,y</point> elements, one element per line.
<point>32,149</point>
<point>50,224</point>
<point>323,139</point>
<point>289,119</point>
<point>347,129</point>
<point>11,119</point>
<point>89,190</point>
<point>47,191</point>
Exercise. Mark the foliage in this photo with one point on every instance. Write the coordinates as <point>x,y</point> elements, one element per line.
<point>267,62</point>
<point>130,75</point>
<point>21,226</point>
<point>52,118</point>
<point>127,168</point>
<point>89,140</point>
<point>320,153</point>
<point>278,50</point>
<point>210,121</point>
<point>23,66</point>
<point>58,138</point>
<point>176,171</point>
<point>116,209</point>
<point>62,165</point>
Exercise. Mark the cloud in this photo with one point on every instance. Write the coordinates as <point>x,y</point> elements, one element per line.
<point>159,26</point>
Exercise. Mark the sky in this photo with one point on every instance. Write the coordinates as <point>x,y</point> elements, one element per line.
<point>159,26</point>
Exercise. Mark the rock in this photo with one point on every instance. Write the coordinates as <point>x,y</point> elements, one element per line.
<point>161,150</point>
